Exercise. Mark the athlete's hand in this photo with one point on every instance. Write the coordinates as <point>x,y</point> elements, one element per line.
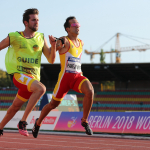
<point>52,40</point>
<point>60,43</point>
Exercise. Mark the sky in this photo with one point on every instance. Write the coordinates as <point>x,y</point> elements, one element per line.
<point>100,20</point>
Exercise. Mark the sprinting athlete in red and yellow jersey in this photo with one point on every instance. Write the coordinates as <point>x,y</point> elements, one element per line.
<point>70,76</point>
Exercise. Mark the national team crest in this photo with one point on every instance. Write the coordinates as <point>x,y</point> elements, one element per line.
<point>35,47</point>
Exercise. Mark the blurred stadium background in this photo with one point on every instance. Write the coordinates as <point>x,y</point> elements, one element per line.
<point>118,87</point>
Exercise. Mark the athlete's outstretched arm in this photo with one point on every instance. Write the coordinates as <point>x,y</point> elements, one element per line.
<point>4,43</point>
<point>50,52</point>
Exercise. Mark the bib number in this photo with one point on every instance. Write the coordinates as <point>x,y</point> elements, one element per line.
<point>73,65</point>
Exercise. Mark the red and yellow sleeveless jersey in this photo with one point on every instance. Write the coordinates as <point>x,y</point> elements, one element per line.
<point>71,60</point>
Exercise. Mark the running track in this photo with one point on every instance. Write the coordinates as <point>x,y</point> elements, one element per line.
<point>15,141</point>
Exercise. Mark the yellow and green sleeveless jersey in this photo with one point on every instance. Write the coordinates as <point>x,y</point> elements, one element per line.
<point>24,55</point>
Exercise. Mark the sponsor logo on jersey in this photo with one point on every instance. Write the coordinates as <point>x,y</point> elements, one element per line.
<point>27,70</point>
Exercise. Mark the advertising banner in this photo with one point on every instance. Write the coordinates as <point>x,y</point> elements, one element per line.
<point>107,122</point>
<point>48,123</point>
<point>69,121</point>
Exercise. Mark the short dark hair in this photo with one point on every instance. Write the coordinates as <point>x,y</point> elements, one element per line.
<point>28,12</point>
<point>67,24</point>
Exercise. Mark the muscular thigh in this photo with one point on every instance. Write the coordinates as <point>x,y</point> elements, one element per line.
<point>87,87</point>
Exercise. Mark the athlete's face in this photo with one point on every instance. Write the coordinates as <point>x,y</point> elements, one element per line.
<point>33,22</point>
<point>74,26</point>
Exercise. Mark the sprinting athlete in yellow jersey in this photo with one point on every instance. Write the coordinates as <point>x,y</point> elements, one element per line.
<point>70,76</point>
<point>23,61</point>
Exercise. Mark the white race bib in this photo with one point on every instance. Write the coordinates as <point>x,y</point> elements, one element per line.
<point>73,65</point>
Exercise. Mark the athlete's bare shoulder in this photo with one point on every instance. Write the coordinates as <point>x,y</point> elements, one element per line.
<point>62,45</point>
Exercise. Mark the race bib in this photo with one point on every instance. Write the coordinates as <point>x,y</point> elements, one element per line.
<point>73,65</point>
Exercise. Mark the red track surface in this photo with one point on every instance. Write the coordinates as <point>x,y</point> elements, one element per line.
<point>15,141</point>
